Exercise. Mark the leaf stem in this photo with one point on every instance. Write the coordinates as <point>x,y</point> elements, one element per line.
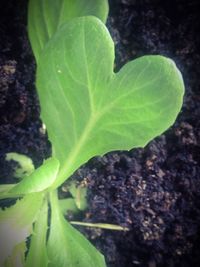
<point>101,225</point>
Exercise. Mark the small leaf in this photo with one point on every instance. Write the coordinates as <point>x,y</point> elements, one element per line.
<point>79,194</point>
<point>41,179</point>
<point>68,247</point>
<point>37,255</point>
<point>68,204</point>
<point>46,16</point>
<point>25,167</point>
<point>16,223</point>
<point>88,109</point>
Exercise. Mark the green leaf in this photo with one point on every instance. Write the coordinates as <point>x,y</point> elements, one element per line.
<point>6,187</point>
<point>25,167</point>
<point>37,255</point>
<point>88,109</point>
<point>68,204</point>
<point>66,246</point>
<point>79,194</point>
<point>41,179</point>
<point>46,16</point>
<point>16,223</point>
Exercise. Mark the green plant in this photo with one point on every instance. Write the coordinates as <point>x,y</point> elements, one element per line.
<point>88,110</point>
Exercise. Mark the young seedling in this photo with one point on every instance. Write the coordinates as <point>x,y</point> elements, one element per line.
<point>88,110</point>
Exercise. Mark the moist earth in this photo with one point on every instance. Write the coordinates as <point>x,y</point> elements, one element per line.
<point>154,191</point>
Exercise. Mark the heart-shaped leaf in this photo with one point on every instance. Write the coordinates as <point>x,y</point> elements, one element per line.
<point>46,16</point>
<point>90,110</point>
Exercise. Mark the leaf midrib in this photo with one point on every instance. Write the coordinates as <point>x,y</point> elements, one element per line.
<point>65,170</point>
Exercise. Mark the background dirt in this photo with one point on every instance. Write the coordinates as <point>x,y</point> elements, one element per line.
<point>155,191</point>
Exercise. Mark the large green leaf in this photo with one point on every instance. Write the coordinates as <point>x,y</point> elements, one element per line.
<point>90,110</point>
<point>46,16</point>
<point>37,255</point>
<point>16,223</point>
<point>66,246</point>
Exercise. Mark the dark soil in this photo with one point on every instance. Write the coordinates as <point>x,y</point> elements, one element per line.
<point>20,126</point>
<point>154,191</point>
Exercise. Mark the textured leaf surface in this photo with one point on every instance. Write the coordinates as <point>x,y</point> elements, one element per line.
<point>66,246</point>
<point>46,16</point>
<point>90,110</point>
<point>39,180</point>
<point>16,223</point>
<point>37,255</point>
